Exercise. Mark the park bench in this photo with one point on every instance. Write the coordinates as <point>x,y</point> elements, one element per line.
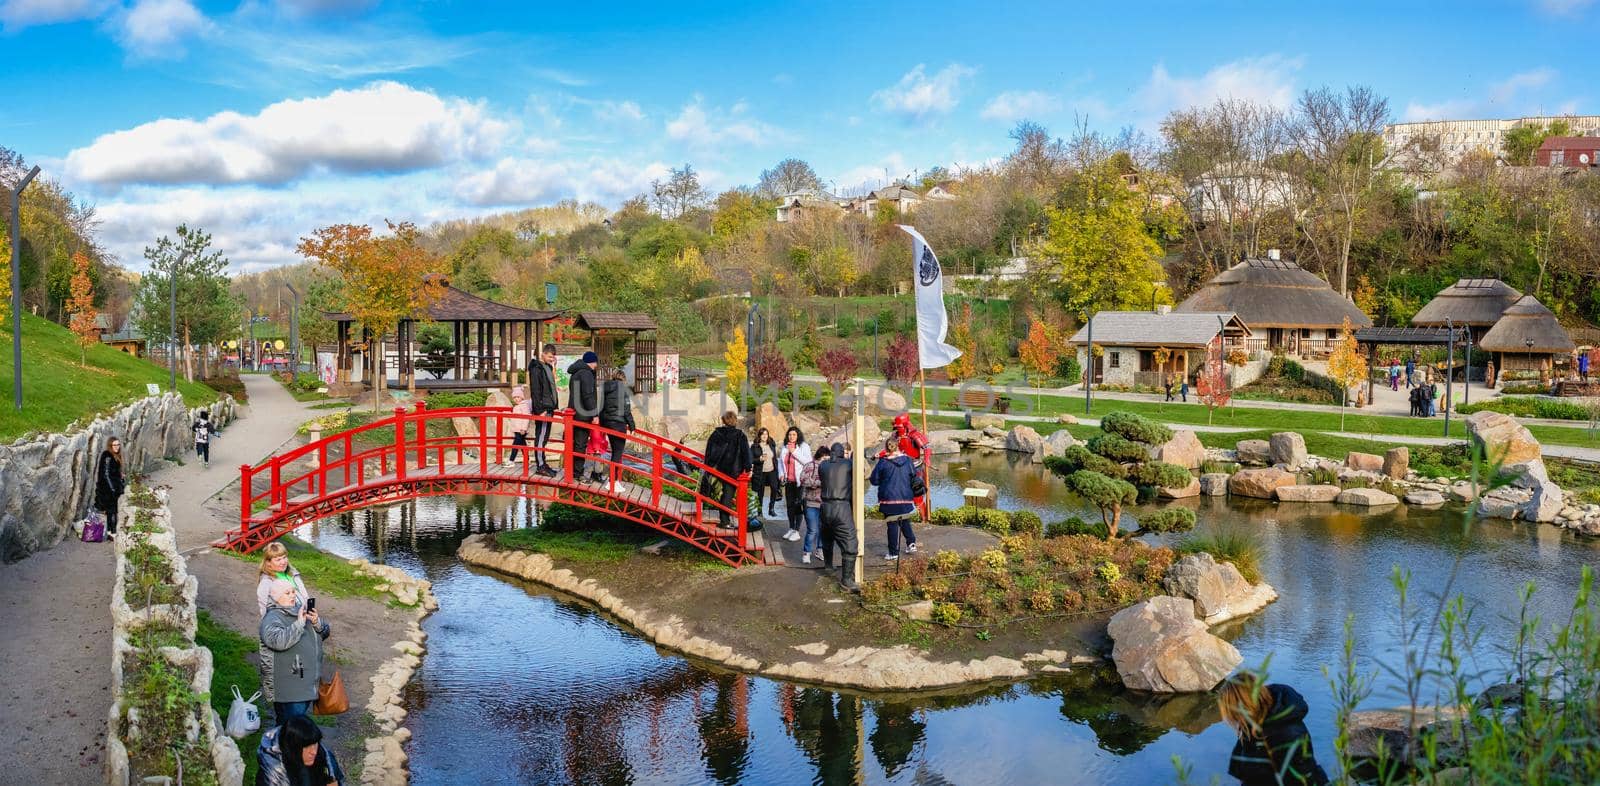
<point>983,400</point>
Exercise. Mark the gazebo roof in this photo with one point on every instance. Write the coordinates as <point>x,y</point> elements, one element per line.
<point>1274,293</point>
<point>454,305</point>
<point>1527,320</point>
<point>615,320</point>
<point>1476,302</point>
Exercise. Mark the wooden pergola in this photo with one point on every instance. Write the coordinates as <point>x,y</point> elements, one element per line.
<point>492,341</point>
<point>604,327</point>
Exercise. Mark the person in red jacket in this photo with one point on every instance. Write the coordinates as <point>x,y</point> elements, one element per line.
<point>914,444</point>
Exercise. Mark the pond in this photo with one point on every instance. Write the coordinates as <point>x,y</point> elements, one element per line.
<point>522,686</point>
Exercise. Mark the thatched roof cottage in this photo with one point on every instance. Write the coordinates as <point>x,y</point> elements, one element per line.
<point>1527,338</point>
<point>1471,303</point>
<point>1288,308</point>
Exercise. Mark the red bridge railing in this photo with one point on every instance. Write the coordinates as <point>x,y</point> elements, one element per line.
<point>417,452</point>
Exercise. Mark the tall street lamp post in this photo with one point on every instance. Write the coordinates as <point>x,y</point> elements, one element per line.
<point>16,287</point>
<point>294,334</point>
<point>172,316</point>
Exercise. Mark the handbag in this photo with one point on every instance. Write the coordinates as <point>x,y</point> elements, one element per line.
<point>919,484</point>
<point>94,527</point>
<point>331,698</point>
<point>243,717</point>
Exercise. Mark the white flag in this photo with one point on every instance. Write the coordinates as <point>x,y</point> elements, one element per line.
<point>932,322</point>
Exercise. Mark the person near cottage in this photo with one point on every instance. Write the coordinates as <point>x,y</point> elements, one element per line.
<point>543,400</point>
<point>811,493</point>
<point>764,470</point>
<point>520,405</point>
<point>892,477</point>
<point>294,635</point>
<point>1411,371</point>
<point>583,398</point>
<point>792,458</point>
<point>1394,375</point>
<point>202,435</point>
<point>108,484</point>
<point>292,754</point>
<point>1274,746</point>
<point>838,517</point>
<point>275,566</point>
<point>616,414</point>
<point>727,452</point>
<point>1583,365</point>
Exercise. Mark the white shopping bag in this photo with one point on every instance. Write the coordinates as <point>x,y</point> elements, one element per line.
<point>243,717</point>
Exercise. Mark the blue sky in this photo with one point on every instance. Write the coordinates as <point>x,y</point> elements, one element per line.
<point>263,120</point>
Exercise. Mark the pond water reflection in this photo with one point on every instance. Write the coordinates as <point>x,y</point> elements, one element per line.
<point>522,686</point>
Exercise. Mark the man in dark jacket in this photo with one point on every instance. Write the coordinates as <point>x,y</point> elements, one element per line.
<point>616,414</point>
<point>584,401</point>
<point>542,396</point>
<point>838,517</point>
<point>728,453</point>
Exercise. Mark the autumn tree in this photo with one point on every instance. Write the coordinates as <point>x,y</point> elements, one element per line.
<point>960,336</point>
<point>1339,137</point>
<point>207,309</point>
<point>1520,143</point>
<point>1096,254</point>
<point>787,177</point>
<point>386,279</point>
<point>1041,350</point>
<point>680,193</point>
<point>81,306</point>
<point>737,357</point>
<point>770,370</point>
<point>901,359</point>
<point>1346,366</point>
<point>5,277</point>
<point>837,365</point>
<point>1212,386</point>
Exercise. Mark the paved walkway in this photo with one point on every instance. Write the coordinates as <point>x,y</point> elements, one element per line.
<point>55,654</point>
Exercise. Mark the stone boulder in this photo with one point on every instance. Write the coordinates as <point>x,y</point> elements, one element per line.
<point>942,447</point>
<point>1214,484</point>
<point>982,420</point>
<point>1424,498</point>
<point>1504,503</point>
<point>1023,439</point>
<point>1192,489</point>
<point>769,417</point>
<point>1503,439</point>
<point>1066,420</point>
<point>1287,448</point>
<point>1220,593</point>
<point>1396,462</point>
<point>987,496</point>
<point>1184,450</point>
<point>1055,444</point>
<point>845,433</point>
<point>1299,493</point>
<point>875,400</point>
<point>960,436</point>
<point>1253,451</point>
<point>1364,462</point>
<point>1546,503</point>
<point>1463,492</point>
<point>1366,497</point>
<point>1159,645</point>
<point>1259,483</point>
<point>1398,731</point>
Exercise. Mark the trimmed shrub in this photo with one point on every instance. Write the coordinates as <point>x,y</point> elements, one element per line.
<point>1026,522</point>
<point>1108,572</point>
<point>1529,407</point>
<point>945,561</point>
<point>946,613</point>
<point>1135,427</point>
<point>1075,526</point>
<point>1168,520</point>
<point>1159,474</point>
<point>991,520</point>
<point>1118,448</point>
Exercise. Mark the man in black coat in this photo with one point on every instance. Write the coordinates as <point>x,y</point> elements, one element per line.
<point>542,396</point>
<point>616,414</point>
<point>584,399</point>
<point>727,452</point>
<point>838,516</point>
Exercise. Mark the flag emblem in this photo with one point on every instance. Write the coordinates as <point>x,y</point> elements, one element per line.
<point>927,267</point>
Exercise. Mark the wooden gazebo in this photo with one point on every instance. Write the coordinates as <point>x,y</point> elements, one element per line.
<point>605,334</point>
<point>1528,338</point>
<point>492,341</point>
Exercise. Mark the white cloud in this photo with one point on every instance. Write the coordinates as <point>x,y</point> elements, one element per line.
<point>919,97</point>
<point>1507,97</point>
<point>1508,89</point>
<point>1014,105</point>
<point>157,28</point>
<point>18,14</point>
<point>383,127</point>
<point>1267,80</point>
<point>702,127</point>
<point>618,112</point>
<point>560,77</point>
<point>523,181</point>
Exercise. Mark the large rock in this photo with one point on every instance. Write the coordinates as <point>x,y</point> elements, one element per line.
<point>1192,489</point>
<point>876,400</point>
<point>941,447</point>
<point>1396,462</point>
<point>979,420</point>
<point>1160,646</point>
<point>1463,492</point>
<point>1220,593</point>
<point>1398,731</point>
<point>845,433</point>
<point>1214,484</point>
<point>1056,444</point>
<point>1253,451</point>
<point>1287,448</point>
<point>960,436</point>
<point>1259,483</point>
<point>1547,502</point>
<point>988,496</point>
<point>1424,497</point>
<point>1184,449</point>
<point>1364,462</point>
<point>1299,493</point>
<point>769,417</point>
<point>1367,497</point>
<point>1502,439</point>
<point>1023,439</point>
<point>1503,504</point>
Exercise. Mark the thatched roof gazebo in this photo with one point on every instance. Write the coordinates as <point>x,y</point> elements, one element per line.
<point>1287,307</point>
<point>1527,338</point>
<point>1472,303</point>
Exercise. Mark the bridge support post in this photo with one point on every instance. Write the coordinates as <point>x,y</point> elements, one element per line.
<point>422,434</point>
<point>400,443</point>
<point>245,477</point>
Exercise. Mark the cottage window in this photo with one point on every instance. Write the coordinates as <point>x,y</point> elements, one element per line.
<point>1116,360</point>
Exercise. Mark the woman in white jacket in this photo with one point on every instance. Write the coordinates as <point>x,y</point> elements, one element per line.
<point>792,459</point>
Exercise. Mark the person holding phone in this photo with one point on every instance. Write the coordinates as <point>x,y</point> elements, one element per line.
<point>293,632</point>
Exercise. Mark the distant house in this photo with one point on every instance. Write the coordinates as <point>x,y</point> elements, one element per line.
<point>128,339</point>
<point>792,205</point>
<point>1235,192</point>
<point>1582,152</point>
<point>1013,269</point>
<point>942,191</point>
<point>1288,308</point>
<point>1146,348</point>
<point>903,199</point>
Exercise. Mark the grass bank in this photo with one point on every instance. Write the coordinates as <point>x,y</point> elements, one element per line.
<point>329,574</point>
<point>56,390</point>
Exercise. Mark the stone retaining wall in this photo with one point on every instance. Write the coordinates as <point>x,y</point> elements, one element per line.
<point>126,621</point>
<point>385,762</point>
<point>47,481</point>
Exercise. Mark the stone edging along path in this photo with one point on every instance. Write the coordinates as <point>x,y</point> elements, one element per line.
<point>385,762</point>
<point>898,668</point>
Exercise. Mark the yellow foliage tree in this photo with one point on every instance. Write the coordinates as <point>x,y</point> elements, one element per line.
<point>1040,351</point>
<point>5,278</point>
<point>1346,366</point>
<point>960,337</point>
<point>81,307</point>
<point>738,359</point>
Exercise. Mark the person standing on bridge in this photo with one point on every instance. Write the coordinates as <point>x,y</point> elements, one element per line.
<point>839,518</point>
<point>520,405</point>
<point>544,401</point>
<point>584,400</point>
<point>793,457</point>
<point>728,453</point>
<point>616,414</point>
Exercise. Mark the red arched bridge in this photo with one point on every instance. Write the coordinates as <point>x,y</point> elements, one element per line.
<point>422,452</point>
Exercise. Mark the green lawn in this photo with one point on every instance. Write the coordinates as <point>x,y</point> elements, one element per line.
<point>324,572</point>
<point>57,391</point>
<point>229,649</point>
